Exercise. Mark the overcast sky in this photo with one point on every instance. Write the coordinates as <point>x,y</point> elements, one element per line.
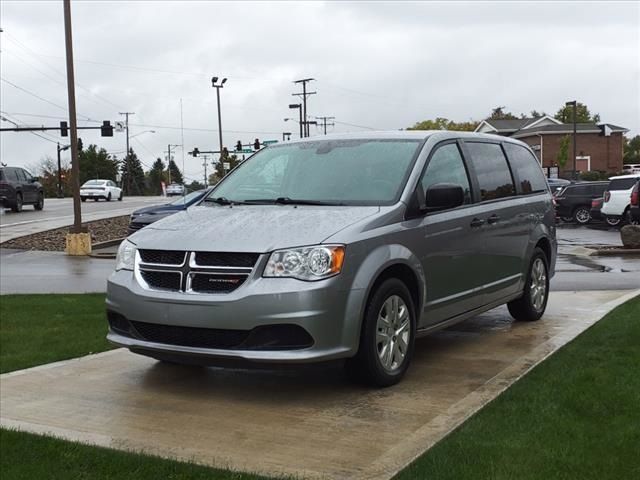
<point>379,65</point>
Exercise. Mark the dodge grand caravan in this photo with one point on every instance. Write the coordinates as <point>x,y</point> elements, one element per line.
<point>340,247</point>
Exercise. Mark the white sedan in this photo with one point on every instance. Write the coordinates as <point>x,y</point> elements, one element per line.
<point>98,189</point>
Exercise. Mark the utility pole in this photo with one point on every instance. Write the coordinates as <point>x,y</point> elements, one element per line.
<point>214,81</point>
<point>304,96</point>
<point>126,126</point>
<point>71,94</point>
<point>169,147</point>
<point>575,152</point>
<point>324,122</point>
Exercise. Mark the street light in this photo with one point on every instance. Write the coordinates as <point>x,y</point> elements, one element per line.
<point>293,106</point>
<point>214,81</point>
<point>137,134</point>
<point>574,103</point>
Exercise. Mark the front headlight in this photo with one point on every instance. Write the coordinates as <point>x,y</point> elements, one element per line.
<point>306,263</point>
<point>126,256</point>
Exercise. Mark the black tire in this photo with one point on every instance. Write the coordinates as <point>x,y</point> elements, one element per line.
<point>120,197</point>
<point>17,207</point>
<point>95,199</point>
<point>582,215</point>
<point>367,367</point>
<point>528,308</point>
<point>84,199</point>
<point>39,205</point>
<point>567,219</point>
<point>613,221</point>
<point>109,197</point>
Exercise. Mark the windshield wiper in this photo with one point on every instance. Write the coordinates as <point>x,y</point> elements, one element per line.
<point>291,201</point>
<point>220,201</point>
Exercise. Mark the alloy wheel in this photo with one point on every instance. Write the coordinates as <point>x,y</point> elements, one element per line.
<point>393,330</point>
<point>582,215</point>
<point>538,283</point>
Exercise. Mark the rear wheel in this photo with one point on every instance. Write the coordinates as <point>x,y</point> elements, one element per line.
<point>17,207</point>
<point>39,205</point>
<point>95,199</point>
<point>109,197</point>
<point>387,336</point>
<point>84,199</point>
<point>582,215</point>
<point>613,221</point>
<point>120,197</point>
<point>532,304</point>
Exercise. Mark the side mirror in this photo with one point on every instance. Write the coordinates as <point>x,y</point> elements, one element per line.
<point>442,196</point>
<point>33,179</point>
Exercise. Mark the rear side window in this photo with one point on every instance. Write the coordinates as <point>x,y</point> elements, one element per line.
<point>529,172</point>
<point>492,170</point>
<point>446,166</point>
<point>622,183</point>
<point>579,190</point>
<point>21,175</point>
<point>599,189</point>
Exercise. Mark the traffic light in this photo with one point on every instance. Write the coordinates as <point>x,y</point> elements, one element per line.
<point>107,129</point>
<point>256,144</point>
<point>195,152</point>
<point>64,129</point>
<point>239,146</point>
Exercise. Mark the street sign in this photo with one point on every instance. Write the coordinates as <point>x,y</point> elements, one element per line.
<point>118,126</point>
<point>269,142</point>
<point>226,165</point>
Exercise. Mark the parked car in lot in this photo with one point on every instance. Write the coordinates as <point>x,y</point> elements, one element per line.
<point>18,188</point>
<point>340,247</point>
<point>147,215</point>
<point>596,206</point>
<point>631,168</point>
<point>634,204</point>
<point>175,189</point>
<point>556,184</point>
<point>615,208</point>
<point>573,202</point>
<point>97,189</point>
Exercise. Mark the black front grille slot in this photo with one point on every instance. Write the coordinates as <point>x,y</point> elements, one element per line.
<point>162,280</point>
<point>190,336</point>
<point>207,283</point>
<point>225,259</point>
<point>164,257</point>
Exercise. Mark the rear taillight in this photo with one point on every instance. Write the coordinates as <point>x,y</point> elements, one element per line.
<point>607,196</point>
<point>594,203</point>
<point>635,197</point>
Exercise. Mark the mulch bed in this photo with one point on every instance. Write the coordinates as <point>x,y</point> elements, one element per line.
<point>54,240</point>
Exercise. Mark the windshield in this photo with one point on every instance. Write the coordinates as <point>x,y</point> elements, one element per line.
<point>345,172</point>
<point>93,182</point>
<point>187,198</point>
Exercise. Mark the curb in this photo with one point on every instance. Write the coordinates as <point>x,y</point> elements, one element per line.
<point>100,245</point>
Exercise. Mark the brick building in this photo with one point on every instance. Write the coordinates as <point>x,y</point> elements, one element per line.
<point>599,147</point>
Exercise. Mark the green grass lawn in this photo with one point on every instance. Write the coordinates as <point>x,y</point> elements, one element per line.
<point>575,416</point>
<point>38,329</point>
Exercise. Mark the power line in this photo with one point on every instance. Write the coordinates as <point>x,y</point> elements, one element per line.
<point>354,125</point>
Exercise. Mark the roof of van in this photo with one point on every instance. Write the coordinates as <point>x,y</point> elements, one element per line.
<point>404,134</point>
<point>631,175</point>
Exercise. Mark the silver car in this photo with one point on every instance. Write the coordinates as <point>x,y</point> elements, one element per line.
<point>343,247</point>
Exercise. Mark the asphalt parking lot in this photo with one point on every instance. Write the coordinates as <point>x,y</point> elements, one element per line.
<point>292,422</point>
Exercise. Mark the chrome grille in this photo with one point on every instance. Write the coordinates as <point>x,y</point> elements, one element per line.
<point>193,272</point>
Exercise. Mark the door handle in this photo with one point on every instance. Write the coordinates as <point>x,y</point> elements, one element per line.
<point>477,222</point>
<point>493,219</point>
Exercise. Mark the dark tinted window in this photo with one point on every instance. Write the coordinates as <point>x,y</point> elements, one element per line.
<point>21,175</point>
<point>10,174</point>
<point>446,166</point>
<point>599,189</point>
<point>529,171</point>
<point>622,183</point>
<point>579,190</point>
<point>494,177</point>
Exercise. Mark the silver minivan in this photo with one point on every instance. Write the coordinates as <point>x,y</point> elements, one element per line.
<point>340,247</point>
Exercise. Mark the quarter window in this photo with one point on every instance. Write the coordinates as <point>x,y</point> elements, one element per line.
<point>492,170</point>
<point>529,172</point>
<point>446,166</point>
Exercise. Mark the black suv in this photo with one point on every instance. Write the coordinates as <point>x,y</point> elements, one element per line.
<point>19,187</point>
<point>573,202</point>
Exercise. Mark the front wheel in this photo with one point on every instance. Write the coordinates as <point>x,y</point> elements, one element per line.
<point>582,215</point>
<point>387,337</point>
<point>120,197</point>
<point>531,306</point>
<point>17,207</point>
<point>109,197</point>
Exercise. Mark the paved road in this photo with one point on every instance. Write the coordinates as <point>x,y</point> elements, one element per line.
<point>58,212</point>
<point>54,272</point>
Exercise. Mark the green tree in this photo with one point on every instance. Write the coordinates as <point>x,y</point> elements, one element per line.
<point>441,123</point>
<point>583,115</point>
<point>632,150</point>
<point>195,186</point>
<point>499,113</point>
<point>563,152</point>
<point>536,114</point>
<point>96,163</point>
<point>155,177</point>
<point>233,162</point>
<point>175,173</point>
<point>133,179</point>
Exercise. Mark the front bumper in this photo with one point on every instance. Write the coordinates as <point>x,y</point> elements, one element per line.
<point>326,310</point>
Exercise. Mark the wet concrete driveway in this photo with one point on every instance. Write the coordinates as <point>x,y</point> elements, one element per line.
<point>310,423</point>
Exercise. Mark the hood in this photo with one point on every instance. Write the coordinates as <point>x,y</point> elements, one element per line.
<point>249,228</point>
<point>153,208</point>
